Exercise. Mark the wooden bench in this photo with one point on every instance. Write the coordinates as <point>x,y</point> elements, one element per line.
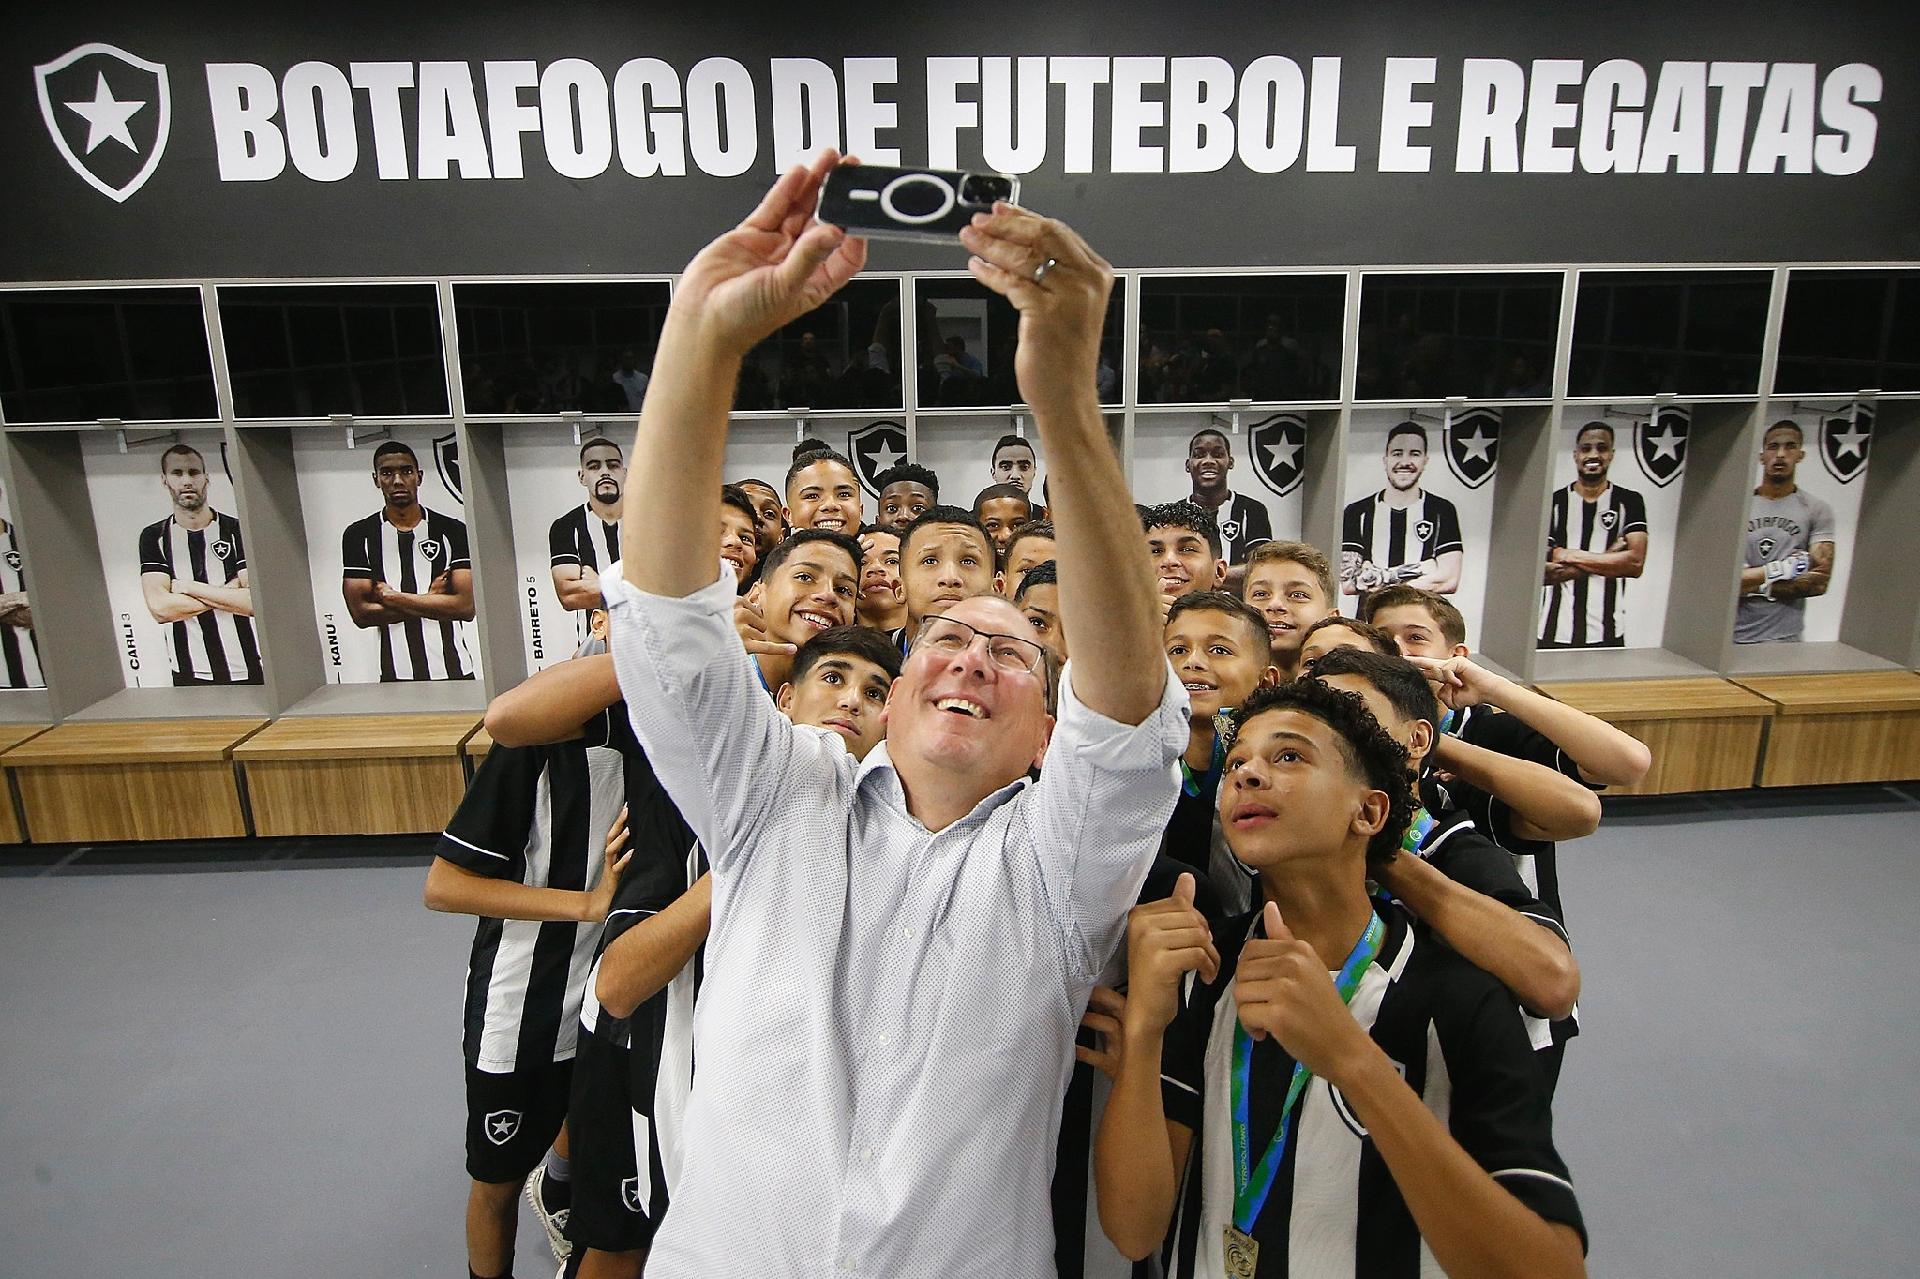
<point>1705,733</point>
<point>131,779</point>
<point>12,829</point>
<point>357,774</point>
<point>1861,726</point>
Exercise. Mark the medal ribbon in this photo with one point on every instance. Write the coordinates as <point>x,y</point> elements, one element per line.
<point>1190,783</point>
<point>1252,1185</point>
<point>1417,831</point>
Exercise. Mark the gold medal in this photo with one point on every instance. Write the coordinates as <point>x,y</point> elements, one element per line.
<point>1242,1254</point>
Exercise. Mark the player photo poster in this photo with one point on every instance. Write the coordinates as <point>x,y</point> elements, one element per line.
<point>1250,479</point>
<point>961,451</point>
<point>1610,525</point>
<point>1808,477</point>
<point>561,494</point>
<point>175,560</point>
<point>1416,514</point>
<point>390,556</point>
<point>19,645</point>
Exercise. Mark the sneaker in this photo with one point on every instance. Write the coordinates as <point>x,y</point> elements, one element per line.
<point>553,1220</point>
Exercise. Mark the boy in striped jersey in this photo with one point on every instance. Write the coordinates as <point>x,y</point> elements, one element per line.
<point>524,851</point>
<point>193,576</point>
<point>1596,539</point>
<point>1271,1119</point>
<point>405,572</point>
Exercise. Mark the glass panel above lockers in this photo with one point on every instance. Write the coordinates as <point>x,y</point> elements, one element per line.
<point>844,354</point>
<point>558,346</point>
<point>967,335</point>
<point>80,355</point>
<point>315,350</point>
<point>1478,335</point>
<point>1211,339</point>
<point>1846,331</point>
<point>1643,333</point>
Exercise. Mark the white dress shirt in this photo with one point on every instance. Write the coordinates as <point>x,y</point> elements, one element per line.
<point>886,1029</point>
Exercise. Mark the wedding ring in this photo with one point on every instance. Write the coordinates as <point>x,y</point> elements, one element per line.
<point>1040,272</point>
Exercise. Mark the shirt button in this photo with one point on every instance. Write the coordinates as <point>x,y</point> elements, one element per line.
<point>866,1155</point>
<point>880,1040</point>
<point>851,1262</point>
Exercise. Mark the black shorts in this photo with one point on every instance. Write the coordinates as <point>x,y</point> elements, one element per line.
<point>512,1119</point>
<point>616,1204</point>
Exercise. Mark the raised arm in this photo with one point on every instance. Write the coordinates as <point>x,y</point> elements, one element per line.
<point>1545,803</point>
<point>1602,752</point>
<point>1107,597</point>
<point>694,697</point>
<point>551,705</point>
<point>772,268</point>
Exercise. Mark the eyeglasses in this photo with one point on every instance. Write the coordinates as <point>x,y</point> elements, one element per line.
<point>951,637</point>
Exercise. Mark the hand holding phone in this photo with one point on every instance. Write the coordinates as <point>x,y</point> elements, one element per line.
<point>910,204</point>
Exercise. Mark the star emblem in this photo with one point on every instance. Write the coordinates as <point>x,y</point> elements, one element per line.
<point>1666,443</point>
<point>1281,453</point>
<point>1850,441</point>
<point>106,116</point>
<point>884,457</point>
<point>503,1127</point>
<point>1476,445</point>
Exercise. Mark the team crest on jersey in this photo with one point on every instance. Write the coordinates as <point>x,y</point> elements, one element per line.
<point>1766,546</point>
<point>108,112</point>
<point>875,449</point>
<point>13,560</point>
<point>1660,445</point>
<point>446,460</point>
<point>430,549</point>
<point>1278,443</point>
<point>1423,530</point>
<point>1230,530</point>
<point>1608,519</point>
<point>1473,446</point>
<point>501,1125</point>
<point>222,549</point>
<point>630,1194</point>
<point>1844,442</point>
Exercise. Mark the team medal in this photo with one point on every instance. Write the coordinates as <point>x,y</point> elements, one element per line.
<point>1252,1182</point>
<point>1242,1254</point>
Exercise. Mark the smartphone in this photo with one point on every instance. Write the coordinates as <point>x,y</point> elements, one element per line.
<point>909,204</point>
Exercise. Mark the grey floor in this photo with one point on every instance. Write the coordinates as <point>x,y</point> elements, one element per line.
<point>248,1064</point>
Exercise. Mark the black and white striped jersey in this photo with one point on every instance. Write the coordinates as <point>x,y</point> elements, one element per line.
<point>19,646</point>
<point>409,560</point>
<point>667,859</point>
<point>1081,1249</point>
<point>216,646</point>
<point>582,537</point>
<point>1589,611</point>
<point>538,815</point>
<point>1335,1210</point>
<point>1389,536</point>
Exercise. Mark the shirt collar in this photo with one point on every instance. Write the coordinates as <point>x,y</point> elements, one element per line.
<point>878,765</point>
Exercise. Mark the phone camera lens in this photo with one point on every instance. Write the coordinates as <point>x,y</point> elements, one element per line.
<point>985,189</point>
